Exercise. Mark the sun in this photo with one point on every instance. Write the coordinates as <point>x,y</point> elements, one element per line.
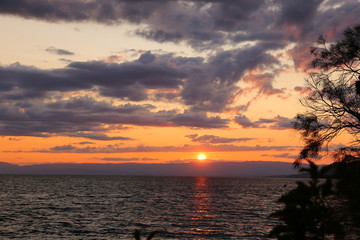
<point>201,157</point>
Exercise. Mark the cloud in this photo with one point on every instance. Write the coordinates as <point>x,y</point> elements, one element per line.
<point>199,119</point>
<point>58,51</point>
<point>302,90</point>
<point>46,103</point>
<point>159,35</point>
<point>84,143</point>
<point>212,139</point>
<point>282,155</point>
<point>14,139</point>
<point>112,59</point>
<point>120,80</point>
<point>141,148</point>
<point>96,136</point>
<point>245,122</point>
<point>65,60</point>
<point>89,118</point>
<point>200,24</point>
<point>278,122</point>
<point>53,11</point>
<point>263,82</point>
<point>119,159</point>
<point>213,86</point>
<point>298,11</point>
<point>62,148</point>
<point>202,84</point>
<point>300,55</point>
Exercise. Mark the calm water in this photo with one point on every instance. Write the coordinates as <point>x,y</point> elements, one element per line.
<point>111,207</point>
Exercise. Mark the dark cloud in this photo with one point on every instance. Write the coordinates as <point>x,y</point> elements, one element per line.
<point>97,136</point>
<point>59,51</point>
<point>199,23</point>
<point>213,86</point>
<point>124,81</point>
<point>245,122</point>
<point>206,24</point>
<point>88,118</point>
<point>199,119</point>
<point>134,92</point>
<point>147,57</point>
<point>84,143</point>
<point>125,74</point>
<point>128,81</point>
<point>100,11</point>
<point>228,15</point>
<point>160,35</point>
<point>298,11</point>
<point>91,105</point>
<point>278,122</point>
<point>21,82</point>
<point>63,148</point>
<point>336,16</point>
<point>212,139</point>
<point>282,123</point>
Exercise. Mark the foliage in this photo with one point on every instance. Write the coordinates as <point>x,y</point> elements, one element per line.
<point>330,207</point>
<point>307,213</point>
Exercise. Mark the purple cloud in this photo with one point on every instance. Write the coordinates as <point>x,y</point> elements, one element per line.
<point>141,148</point>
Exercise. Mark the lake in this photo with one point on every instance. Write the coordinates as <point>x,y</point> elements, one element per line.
<point>112,207</point>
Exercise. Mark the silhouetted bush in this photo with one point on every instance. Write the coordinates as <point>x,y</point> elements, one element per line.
<point>137,235</point>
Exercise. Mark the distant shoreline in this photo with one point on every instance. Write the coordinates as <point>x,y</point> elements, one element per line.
<point>211,169</point>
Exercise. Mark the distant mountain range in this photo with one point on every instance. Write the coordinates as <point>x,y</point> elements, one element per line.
<point>238,169</point>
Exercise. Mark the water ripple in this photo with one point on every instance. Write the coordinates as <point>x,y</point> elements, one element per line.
<point>111,207</point>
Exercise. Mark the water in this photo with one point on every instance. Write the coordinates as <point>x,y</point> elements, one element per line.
<point>112,207</point>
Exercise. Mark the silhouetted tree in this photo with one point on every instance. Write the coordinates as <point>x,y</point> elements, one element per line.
<point>333,106</point>
<point>328,208</point>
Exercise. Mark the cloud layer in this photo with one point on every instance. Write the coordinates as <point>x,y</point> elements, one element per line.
<point>241,41</point>
<point>113,148</point>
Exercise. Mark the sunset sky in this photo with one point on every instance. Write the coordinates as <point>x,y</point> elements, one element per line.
<point>110,81</point>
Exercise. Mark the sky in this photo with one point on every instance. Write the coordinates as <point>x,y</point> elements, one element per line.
<point>110,81</point>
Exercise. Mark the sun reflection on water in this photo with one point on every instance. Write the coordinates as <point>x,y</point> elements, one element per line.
<point>201,197</point>
<point>202,220</point>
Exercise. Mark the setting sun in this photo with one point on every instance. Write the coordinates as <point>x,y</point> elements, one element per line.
<point>201,157</point>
